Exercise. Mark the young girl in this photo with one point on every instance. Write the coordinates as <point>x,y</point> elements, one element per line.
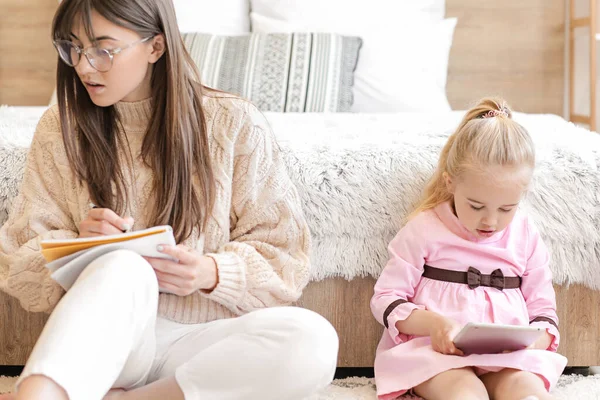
<point>468,255</point>
<point>136,135</point>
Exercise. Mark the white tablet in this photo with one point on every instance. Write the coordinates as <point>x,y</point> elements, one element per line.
<point>478,338</point>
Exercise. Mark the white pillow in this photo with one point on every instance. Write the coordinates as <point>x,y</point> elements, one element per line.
<point>403,62</point>
<point>222,17</point>
<point>405,69</point>
<point>355,12</point>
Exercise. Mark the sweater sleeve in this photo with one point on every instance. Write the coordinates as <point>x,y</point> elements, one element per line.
<point>38,212</point>
<point>537,289</point>
<point>266,261</point>
<point>396,285</point>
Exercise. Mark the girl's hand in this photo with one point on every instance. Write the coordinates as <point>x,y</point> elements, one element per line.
<point>442,333</point>
<point>103,221</point>
<point>543,342</point>
<point>193,271</point>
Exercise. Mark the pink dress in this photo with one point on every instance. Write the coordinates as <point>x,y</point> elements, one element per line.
<point>438,239</point>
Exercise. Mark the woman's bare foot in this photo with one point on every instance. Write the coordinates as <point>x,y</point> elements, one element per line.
<point>113,394</point>
<point>8,396</point>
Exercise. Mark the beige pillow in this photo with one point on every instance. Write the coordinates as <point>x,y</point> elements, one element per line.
<point>280,72</point>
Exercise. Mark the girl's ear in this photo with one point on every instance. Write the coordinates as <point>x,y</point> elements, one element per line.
<point>158,48</point>
<point>449,182</point>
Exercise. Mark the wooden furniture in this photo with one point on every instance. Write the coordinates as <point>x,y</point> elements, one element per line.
<point>583,39</point>
<point>19,331</point>
<point>346,305</point>
<point>511,48</point>
<point>27,57</point>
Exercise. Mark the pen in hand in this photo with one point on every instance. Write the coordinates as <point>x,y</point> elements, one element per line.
<point>111,217</point>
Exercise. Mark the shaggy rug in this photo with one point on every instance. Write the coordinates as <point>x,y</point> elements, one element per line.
<point>360,174</point>
<point>569,387</point>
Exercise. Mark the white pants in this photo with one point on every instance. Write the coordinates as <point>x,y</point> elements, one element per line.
<point>105,333</point>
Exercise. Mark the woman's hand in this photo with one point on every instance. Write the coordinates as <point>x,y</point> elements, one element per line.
<point>442,333</point>
<point>543,342</point>
<point>193,271</point>
<point>103,221</point>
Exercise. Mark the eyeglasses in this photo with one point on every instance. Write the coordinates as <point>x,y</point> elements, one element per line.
<point>100,59</point>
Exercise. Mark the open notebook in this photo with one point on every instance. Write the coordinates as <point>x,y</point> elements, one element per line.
<point>67,258</point>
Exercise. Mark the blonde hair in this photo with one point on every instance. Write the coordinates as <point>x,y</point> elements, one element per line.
<point>487,136</point>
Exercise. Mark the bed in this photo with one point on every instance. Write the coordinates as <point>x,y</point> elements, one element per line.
<point>360,173</point>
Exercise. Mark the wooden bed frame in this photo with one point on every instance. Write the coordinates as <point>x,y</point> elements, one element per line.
<point>346,305</point>
<point>512,48</point>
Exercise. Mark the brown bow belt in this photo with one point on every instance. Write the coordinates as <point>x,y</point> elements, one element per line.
<point>474,278</point>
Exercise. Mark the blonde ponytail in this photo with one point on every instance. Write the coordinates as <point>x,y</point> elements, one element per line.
<point>487,136</point>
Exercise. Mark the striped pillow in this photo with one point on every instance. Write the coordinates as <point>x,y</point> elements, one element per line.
<point>287,72</point>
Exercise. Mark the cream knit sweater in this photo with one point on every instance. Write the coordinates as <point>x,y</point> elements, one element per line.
<point>257,233</point>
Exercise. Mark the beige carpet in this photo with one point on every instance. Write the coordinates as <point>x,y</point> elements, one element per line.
<point>6,384</point>
<point>569,387</point>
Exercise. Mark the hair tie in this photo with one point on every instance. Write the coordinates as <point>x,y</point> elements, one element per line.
<point>495,113</point>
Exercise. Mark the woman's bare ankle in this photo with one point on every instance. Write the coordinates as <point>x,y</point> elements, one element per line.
<point>40,387</point>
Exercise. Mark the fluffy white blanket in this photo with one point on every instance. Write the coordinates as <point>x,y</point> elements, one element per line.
<point>360,174</point>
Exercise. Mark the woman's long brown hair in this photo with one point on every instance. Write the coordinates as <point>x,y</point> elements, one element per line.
<point>175,146</point>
